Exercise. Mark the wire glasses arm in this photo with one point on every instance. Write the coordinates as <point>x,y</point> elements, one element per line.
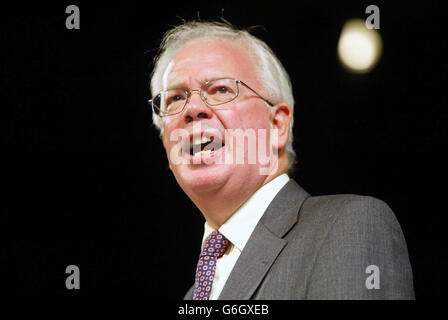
<point>266,100</point>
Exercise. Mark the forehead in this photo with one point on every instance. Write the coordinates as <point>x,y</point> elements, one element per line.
<point>208,58</point>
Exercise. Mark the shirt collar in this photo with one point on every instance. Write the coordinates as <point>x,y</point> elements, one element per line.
<point>239,227</point>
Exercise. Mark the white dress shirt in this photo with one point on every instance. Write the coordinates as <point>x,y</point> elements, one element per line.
<point>238,229</point>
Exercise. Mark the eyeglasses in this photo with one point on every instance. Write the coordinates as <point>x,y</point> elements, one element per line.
<point>213,92</point>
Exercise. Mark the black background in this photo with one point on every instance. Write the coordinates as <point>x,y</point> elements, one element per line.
<point>85,176</point>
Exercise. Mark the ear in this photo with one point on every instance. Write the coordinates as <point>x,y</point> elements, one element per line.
<point>280,120</point>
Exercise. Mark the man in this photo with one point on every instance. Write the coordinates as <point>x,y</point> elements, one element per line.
<point>265,237</point>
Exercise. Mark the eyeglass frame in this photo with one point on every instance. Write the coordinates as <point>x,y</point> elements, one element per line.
<point>190,92</point>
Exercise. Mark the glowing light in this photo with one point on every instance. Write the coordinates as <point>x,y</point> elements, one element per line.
<point>359,48</point>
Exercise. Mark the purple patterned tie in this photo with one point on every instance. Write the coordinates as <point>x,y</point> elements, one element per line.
<point>214,247</point>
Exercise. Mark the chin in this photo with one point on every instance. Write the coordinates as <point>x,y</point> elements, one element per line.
<point>202,177</point>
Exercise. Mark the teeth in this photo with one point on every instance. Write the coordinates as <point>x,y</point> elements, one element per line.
<point>203,153</point>
<point>200,140</point>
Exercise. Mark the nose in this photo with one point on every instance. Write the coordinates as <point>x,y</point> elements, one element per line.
<point>196,109</point>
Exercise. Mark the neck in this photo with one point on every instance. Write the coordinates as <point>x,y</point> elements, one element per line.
<point>218,206</point>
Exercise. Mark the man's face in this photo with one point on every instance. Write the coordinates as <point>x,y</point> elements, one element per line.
<point>205,59</point>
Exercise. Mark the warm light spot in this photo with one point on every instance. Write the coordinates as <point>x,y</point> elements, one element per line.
<point>359,48</point>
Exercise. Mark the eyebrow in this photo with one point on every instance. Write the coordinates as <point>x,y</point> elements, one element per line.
<point>184,86</point>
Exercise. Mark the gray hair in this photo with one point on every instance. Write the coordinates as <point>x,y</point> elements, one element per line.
<point>271,73</point>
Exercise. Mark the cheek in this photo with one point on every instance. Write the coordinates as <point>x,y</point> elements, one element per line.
<point>229,119</point>
<point>255,117</point>
<point>169,125</point>
<point>167,142</point>
<point>253,120</point>
<point>170,122</point>
<point>259,120</point>
<point>166,145</point>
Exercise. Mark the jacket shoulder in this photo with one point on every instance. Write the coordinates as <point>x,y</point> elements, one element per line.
<point>350,233</point>
<point>349,210</point>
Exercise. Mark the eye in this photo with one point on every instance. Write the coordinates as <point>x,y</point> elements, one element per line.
<point>223,89</point>
<point>174,98</point>
<point>220,91</point>
<point>217,90</point>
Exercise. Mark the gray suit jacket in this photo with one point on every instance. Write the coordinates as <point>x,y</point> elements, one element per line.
<point>320,248</point>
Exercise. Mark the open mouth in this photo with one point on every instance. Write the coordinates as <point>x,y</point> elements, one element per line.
<point>204,145</point>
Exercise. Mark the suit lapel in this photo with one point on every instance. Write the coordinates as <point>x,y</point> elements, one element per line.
<point>265,243</point>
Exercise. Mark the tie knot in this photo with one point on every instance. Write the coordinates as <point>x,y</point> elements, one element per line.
<point>215,245</point>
